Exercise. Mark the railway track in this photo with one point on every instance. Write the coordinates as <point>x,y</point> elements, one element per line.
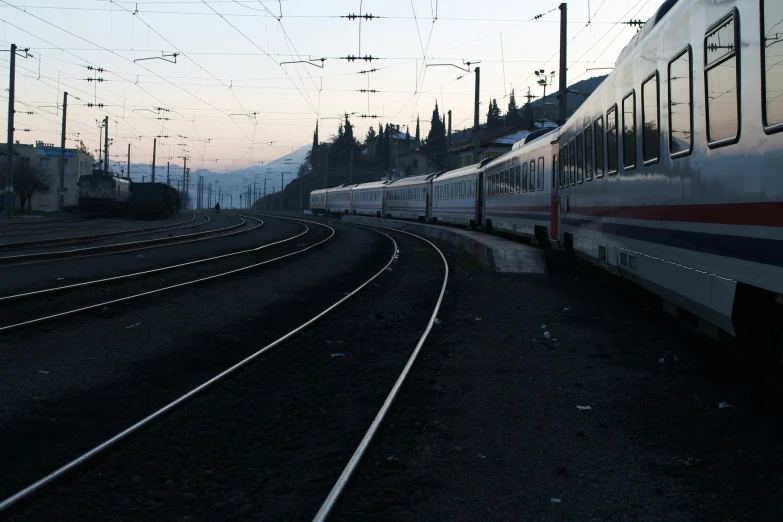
<point>403,360</point>
<point>131,246</point>
<point>89,238</point>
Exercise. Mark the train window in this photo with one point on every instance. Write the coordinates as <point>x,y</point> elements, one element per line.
<point>571,163</point>
<point>541,173</point>
<point>722,82</point>
<point>651,133</point>
<point>598,131</point>
<point>524,177</point>
<point>611,140</point>
<point>589,153</point>
<point>554,171</point>
<point>517,181</point>
<point>506,181</point>
<point>531,182</point>
<point>771,66</point>
<point>580,167</point>
<point>560,165</point>
<point>629,131</point>
<point>462,189</point>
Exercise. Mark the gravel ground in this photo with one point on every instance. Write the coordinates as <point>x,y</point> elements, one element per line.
<point>488,426</point>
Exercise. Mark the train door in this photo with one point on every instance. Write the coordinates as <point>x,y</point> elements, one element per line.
<point>554,207</point>
<point>480,199</point>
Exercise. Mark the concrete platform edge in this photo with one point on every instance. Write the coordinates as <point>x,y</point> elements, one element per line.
<point>530,260</point>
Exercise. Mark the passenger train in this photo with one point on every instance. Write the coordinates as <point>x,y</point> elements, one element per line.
<point>670,175</point>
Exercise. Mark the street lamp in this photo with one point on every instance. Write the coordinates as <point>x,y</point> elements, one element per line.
<point>544,80</point>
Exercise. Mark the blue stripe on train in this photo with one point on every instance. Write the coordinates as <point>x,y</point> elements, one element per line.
<point>757,250</point>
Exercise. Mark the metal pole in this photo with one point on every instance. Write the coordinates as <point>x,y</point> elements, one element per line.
<point>184,182</point>
<point>448,143</point>
<point>9,160</point>
<point>281,190</point>
<point>106,146</point>
<point>154,150</point>
<point>476,118</point>
<point>563,67</point>
<point>265,193</point>
<point>61,191</point>
<point>301,184</point>
<point>129,177</point>
<point>168,173</point>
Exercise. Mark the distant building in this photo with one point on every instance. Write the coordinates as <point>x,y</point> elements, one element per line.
<point>490,146</point>
<point>46,157</point>
<point>412,162</point>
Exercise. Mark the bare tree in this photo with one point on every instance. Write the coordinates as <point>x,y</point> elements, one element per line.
<point>28,180</point>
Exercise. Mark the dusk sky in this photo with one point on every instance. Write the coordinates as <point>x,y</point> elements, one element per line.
<point>229,103</point>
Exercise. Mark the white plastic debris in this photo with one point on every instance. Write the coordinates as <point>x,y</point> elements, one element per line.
<point>584,408</point>
<point>566,309</point>
<point>554,500</point>
<point>547,335</point>
<point>724,404</point>
<point>543,327</point>
<point>132,326</point>
<point>436,321</point>
<point>390,269</point>
<point>481,456</point>
<point>478,318</point>
<point>60,278</point>
<point>43,372</point>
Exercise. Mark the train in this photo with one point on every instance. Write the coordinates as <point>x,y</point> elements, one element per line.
<point>107,194</point>
<point>667,176</point>
<point>101,193</point>
<point>154,200</point>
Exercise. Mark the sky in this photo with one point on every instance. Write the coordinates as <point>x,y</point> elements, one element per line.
<point>228,101</point>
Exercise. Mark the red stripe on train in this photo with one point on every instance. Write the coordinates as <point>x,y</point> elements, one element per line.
<point>761,214</point>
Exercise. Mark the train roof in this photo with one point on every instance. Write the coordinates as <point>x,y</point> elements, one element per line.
<point>370,185</point>
<point>412,180</point>
<point>338,188</point>
<point>318,191</point>
<point>470,170</point>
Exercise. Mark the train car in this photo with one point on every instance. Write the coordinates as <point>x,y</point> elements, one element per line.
<point>318,201</point>
<point>154,200</point>
<point>367,199</point>
<point>671,168</point>
<point>101,193</point>
<point>338,200</point>
<point>408,198</point>
<point>518,188</point>
<point>456,197</point>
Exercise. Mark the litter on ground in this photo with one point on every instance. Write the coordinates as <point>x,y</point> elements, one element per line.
<point>584,408</point>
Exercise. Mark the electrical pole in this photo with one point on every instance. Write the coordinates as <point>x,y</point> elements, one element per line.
<point>129,161</point>
<point>282,186</point>
<point>209,195</point>
<point>9,160</point>
<point>563,66</point>
<point>184,181</point>
<point>154,150</point>
<point>168,175</point>
<point>61,191</point>
<point>265,193</point>
<point>476,119</point>
<point>448,144</point>
<point>106,146</point>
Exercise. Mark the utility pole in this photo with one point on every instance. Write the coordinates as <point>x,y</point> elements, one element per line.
<point>448,144</point>
<point>391,175</point>
<point>168,173</point>
<point>129,161</point>
<point>282,186</point>
<point>61,187</point>
<point>301,184</point>
<point>9,160</point>
<point>563,66</point>
<point>265,193</point>
<point>476,118</point>
<point>209,195</point>
<point>184,181</point>
<point>154,150</point>
<point>106,146</point>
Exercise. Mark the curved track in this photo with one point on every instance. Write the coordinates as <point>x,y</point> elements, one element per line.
<point>157,415</point>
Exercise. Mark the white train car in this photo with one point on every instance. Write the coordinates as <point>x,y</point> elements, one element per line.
<point>367,199</point>
<point>408,198</point>
<point>455,197</point>
<point>318,201</point>
<point>338,200</point>
<point>672,168</point>
<point>518,187</point>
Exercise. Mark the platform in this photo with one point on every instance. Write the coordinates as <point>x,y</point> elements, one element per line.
<point>493,253</point>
